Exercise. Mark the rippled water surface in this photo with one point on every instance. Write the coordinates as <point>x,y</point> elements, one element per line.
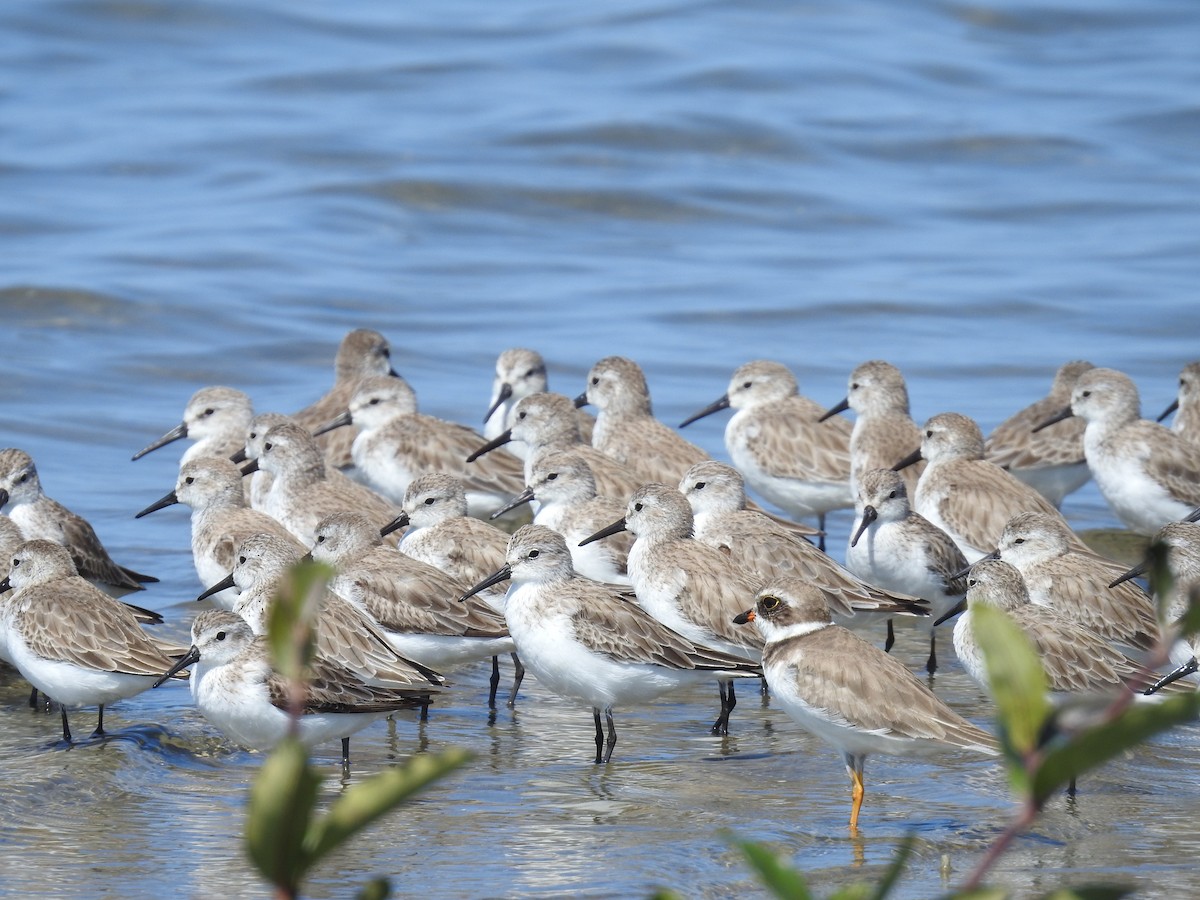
<point>201,192</point>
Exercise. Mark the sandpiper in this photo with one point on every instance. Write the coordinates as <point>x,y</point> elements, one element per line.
<point>519,373</point>
<point>1186,405</point>
<point>215,418</point>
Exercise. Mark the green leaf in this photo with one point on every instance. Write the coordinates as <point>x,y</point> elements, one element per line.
<point>1091,747</point>
<point>277,815</point>
<point>365,802</point>
<point>1158,575</point>
<point>782,880</point>
<point>1017,682</point>
<point>290,620</point>
<point>1189,621</point>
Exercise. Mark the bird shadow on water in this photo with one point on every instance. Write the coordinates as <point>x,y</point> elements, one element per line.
<point>155,740</point>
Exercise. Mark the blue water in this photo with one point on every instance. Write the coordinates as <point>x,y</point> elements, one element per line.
<point>211,192</point>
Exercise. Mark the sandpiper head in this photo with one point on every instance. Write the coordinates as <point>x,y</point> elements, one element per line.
<point>343,536</point>
<point>218,636</point>
<point>995,582</point>
<point>202,480</point>
<point>434,497</point>
<point>36,562</point>
<point>1189,383</point>
<point>656,512</point>
<point>363,352</point>
<point>759,382</point>
<point>1182,540</point>
<point>217,411</point>
<point>380,398</point>
<point>1106,395</point>
<point>537,553</point>
<point>262,558</point>
<point>877,386</point>
<point>256,434</point>
<point>561,476</point>
<point>545,418</point>
<point>787,607</point>
<point>882,497</point>
<point>18,478</point>
<point>951,436</point>
<point>519,373</point>
<point>1033,537</point>
<point>713,487</point>
<point>617,385</point>
<point>288,448</point>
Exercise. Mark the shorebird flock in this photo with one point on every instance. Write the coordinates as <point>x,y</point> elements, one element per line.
<point>645,568</point>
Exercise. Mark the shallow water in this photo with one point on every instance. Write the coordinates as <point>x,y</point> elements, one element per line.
<point>209,192</point>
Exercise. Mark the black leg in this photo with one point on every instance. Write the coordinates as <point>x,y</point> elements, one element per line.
<point>494,682</point>
<point>612,735</point>
<point>33,699</point>
<point>345,756</point>
<point>599,735</point>
<point>821,537</point>
<point>931,666</point>
<point>518,677</point>
<point>891,638</point>
<point>66,727</point>
<point>99,732</point>
<point>425,709</point>
<point>728,702</point>
<point>1071,788</point>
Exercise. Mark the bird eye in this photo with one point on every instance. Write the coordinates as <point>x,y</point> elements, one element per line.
<point>429,501</point>
<point>374,401</point>
<point>320,538</point>
<point>530,373</point>
<point>971,582</point>
<point>534,554</point>
<point>769,602</point>
<point>24,478</point>
<point>1087,393</point>
<point>699,485</point>
<point>16,562</point>
<point>267,445</point>
<point>929,433</point>
<point>241,559</point>
<point>209,411</point>
<point>552,476</point>
<point>595,379</point>
<point>638,507</point>
<point>521,414</point>
<point>189,480</point>
<point>747,384</point>
<point>892,495</point>
<point>220,635</point>
<point>253,435</point>
<point>1019,541</point>
<point>854,387</point>
<point>387,353</point>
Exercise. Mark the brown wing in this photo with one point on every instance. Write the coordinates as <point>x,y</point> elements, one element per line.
<point>715,591</point>
<point>1015,445</point>
<point>1175,463</point>
<point>70,620</point>
<point>91,559</point>
<point>346,634</point>
<point>854,681</point>
<point>1076,659</point>
<point>615,626</point>
<point>793,444</point>
<point>981,498</point>
<point>1125,613</point>
<point>333,688</point>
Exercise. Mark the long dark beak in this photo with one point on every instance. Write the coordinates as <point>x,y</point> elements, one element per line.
<point>169,500</point>
<point>192,656</point>
<point>834,410</point>
<point>1183,671</point>
<point>3,498</point>
<point>743,617</point>
<point>249,468</point>
<point>239,457</point>
<point>498,441</point>
<point>395,525</point>
<point>338,422</point>
<point>1136,572</point>
<point>614,528</point>
<point>179,431</point>
<point>504,393</point>
<point>995,554</point>
<point>715,406</point>
<point>1064,413</point>
<point>1166,412</point>
<point>519,500</point>
<point>502,574</point>
<point>1193,516</point>
<point>226,582</point>
<point>870,514</point>
<point>912,459</point>
<point>958,608</point>
<point>581,401</point>
<point>5,585</point>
